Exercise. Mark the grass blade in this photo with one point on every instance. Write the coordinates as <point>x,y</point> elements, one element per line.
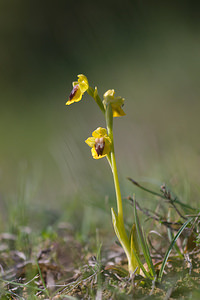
<point>170,248</point>
<point>171,237</point>
<point>42,279</point>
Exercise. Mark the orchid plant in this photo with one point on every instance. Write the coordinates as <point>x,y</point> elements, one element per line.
<point>102,145</point>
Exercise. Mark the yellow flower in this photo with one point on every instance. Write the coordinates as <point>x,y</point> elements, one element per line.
<point>79,88</point>
<point>99,142</point>
<point>116,103</point>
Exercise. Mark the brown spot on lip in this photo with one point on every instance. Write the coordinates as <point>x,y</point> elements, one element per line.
<point>99,146</point>
<point>73,92</point>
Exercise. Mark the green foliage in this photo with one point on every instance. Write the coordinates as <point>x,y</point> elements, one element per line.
<point>145,248</point>
<point>170,248</point>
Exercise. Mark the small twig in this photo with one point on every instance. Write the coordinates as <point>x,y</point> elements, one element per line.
<point>11,272</point>
<point>195,221</point>
<point>168,197</point>
<point>189,261</point>
<point>172,225</point>
<point>192,216</point>
<point>18,297</point>
<point>178,212</point>
<point>7,282</point>
<point>196,250</point>
<point>35,277</point>
<point>146,212</point>
<point>77,283</point>
<point>160,195</point>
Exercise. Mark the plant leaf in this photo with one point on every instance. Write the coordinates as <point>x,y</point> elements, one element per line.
<point>170,248</point>
<point>134,247</point>
<point>144,245</point>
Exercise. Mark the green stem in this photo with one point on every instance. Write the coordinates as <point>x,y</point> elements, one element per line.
<point>117,187</point>
<point>119,227</point>
<point>94,94</point>
<point>121,232</point>
<point>118,220</point>
<point>109,121</point>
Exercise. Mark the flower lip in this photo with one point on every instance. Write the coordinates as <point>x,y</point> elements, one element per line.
<point>73,92</point>
<point>99,145</point>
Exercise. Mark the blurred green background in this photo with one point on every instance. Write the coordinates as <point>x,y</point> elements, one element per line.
<point>149,52</point>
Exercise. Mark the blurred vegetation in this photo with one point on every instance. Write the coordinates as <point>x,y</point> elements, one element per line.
<point>149,52</point>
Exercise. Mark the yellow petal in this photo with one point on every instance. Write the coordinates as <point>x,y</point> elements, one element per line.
<point>99,132</point>
<point>90,141</point>
<point>83,83</point>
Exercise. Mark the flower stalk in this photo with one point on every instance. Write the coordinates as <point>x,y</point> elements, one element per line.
<point>109,121</point>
